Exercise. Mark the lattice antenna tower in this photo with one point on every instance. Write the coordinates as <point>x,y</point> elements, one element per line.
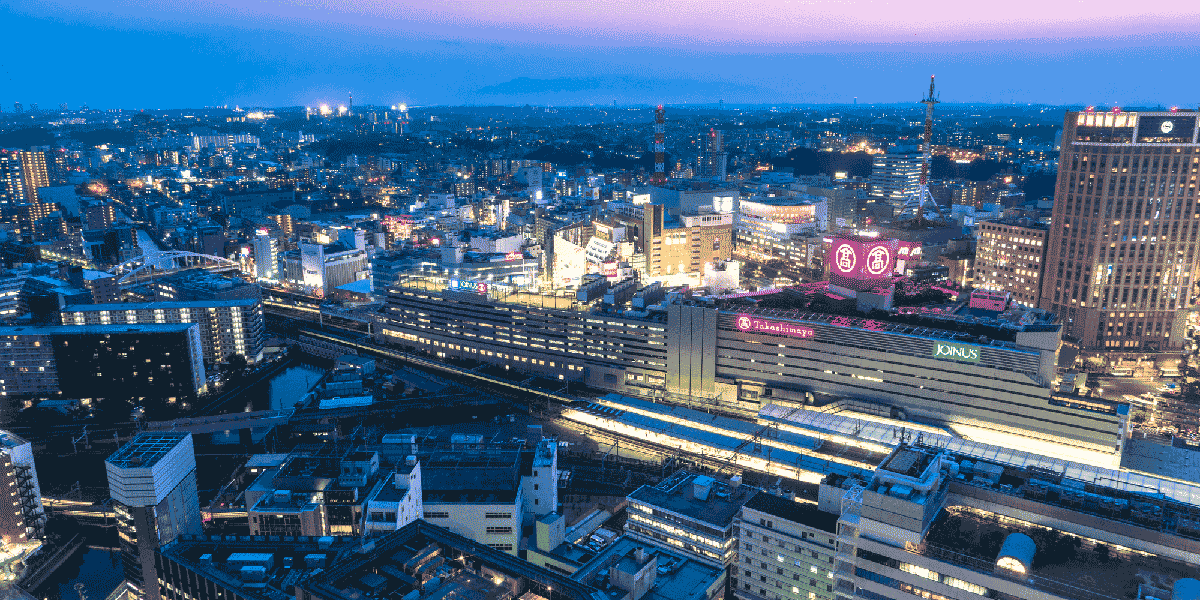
<point>660,147</point>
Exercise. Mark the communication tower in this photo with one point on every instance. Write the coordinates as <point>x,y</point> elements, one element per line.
<point>922,206</point>
<point>660,148</point>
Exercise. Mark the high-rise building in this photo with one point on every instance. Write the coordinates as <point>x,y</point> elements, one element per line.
<point>18,476</point>
<point>1009,258</point>
<point>161,361</point>
<point>895,178</point>
<point>152,481</point>
<point>12,180</point>
<point>266,256</point>
<point>33,169</point>
<point>714,161</point>
<point>226,327</point>
<point>1122,261</point>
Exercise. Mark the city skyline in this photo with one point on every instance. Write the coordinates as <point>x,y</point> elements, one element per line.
<point>275,54</point>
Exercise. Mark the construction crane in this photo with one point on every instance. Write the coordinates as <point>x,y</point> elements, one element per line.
<point>660,148</point>
<point>923,203</point>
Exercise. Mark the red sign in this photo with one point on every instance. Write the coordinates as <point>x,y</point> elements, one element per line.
<point>609,269</point>
<point>753,324</point>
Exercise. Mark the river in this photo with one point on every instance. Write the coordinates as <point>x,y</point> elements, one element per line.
<point>290,386</point>
<point>98,569</point>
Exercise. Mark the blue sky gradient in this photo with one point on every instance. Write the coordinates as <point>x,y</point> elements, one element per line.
<point>146,55</point>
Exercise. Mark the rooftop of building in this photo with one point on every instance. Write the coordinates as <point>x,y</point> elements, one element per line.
<point>803,513</point>
<point>146,449</point>
<point>797,200</point>
<point>676,577</point>
<point>436,563</point>
<point>471,477</point>
<point>921,310</point>
<point>1024,222</point>
<point>11,440</point>
<point>266,460</point>
<point>678,494</point>
<point>165,305</point>
<point>1064,565</point>
<point>284,560</point>
<point>95,329</point>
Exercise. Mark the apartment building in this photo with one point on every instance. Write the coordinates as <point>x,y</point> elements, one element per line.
<point>226,327</point>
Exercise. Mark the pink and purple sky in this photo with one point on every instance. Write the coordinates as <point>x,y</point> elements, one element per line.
<point>153,53</point>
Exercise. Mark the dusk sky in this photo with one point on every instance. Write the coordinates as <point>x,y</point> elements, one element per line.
<point>157,54</point>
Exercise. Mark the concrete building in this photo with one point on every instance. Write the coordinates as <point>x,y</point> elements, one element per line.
<point>475,495</point>
<point>226,327</point>
<point>18,475</point>
<point>198,284</point>
<point>266,256</point>
<point>319,269</point>
<point>785,550</point>
<point>195,566</point>
<point>690,513</point>
<point>769,227</point>
<point>152,481</point>
<point>674,245</point>
<point>634,570</point>
<point>714,162</point>
<point>895,178</point>
<point>929,522</point>
<point>988,378</point>
<point>161,361</point>
<point>1010,257</point>
<point>398,502</point>
<point>316,495</point>
<point>1122,257</point>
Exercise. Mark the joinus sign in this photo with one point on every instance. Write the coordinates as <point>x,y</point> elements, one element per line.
<point>957,352</point>
<point>754,324</point>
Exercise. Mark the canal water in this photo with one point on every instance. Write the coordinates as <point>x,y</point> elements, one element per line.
<point>290,386</point>
<point>281,392</point>
<point>98,569</point>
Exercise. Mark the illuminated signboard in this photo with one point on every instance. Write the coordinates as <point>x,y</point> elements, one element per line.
<point>463,285</point>
<point>846,256</point>
<point>754,324</point>
<point>879,261</point>
<point>959,352</point>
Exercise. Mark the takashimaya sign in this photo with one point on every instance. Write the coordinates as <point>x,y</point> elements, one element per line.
<point>754,324</point>
<point>957,352</point>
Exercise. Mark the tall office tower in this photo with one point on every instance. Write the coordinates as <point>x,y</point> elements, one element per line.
<point>19,477</point>
<point>895,178</point>
<point>1122,261</point>
<point>152,481</point>
<point>266,256</point>
<point>33,170</point>
<point>1009,258</point>
<point>714,162</point>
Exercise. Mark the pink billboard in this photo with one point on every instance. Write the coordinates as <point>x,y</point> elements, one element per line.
<point>861,263</point>
<point>753,324</point>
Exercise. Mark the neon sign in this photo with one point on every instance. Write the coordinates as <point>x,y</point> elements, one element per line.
<point>753,324</point>
<point>959,352</point>
<point>845,258</point>
<point>879,261</point>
